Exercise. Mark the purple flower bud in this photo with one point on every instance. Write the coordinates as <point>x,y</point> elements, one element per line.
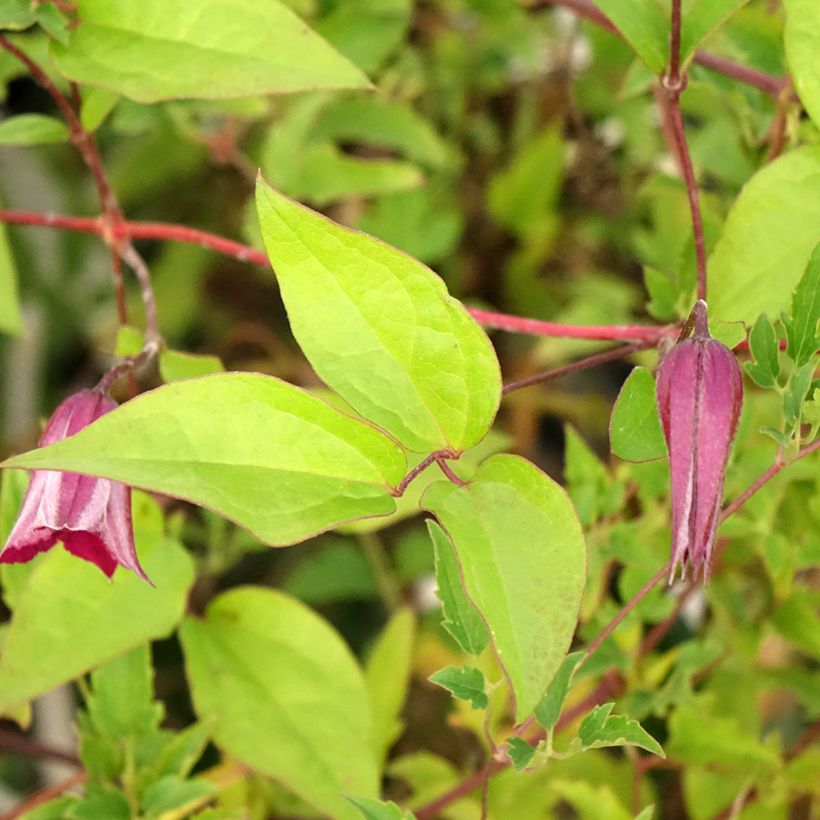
<point>90,516</point>
<point>699,393</point>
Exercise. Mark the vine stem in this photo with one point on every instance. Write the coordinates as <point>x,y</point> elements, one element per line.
<point>608,687</point>
<point>245,253</point>
<point>613,354</point>
<point>767,83</point>
<point>109,225</point>
<point>45,795</point>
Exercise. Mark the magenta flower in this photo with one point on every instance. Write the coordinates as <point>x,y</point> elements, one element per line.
<point>90,516</point>
<point>699,393</point>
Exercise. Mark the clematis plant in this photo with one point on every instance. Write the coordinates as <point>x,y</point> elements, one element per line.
<point>699,394</point>
<point>90,516</point>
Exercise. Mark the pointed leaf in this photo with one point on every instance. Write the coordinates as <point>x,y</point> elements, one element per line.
<point>267,455</point>
<point>380,328</point>
<point>523,562</point>
<point>461,619</point>
<point>644,26</point>
<point>549,709</point>
<point>599,728</point>
<point>700,19</point>
<point>766,351</point>
<point>801,330</point>
<point>213,49</point>
<point>465,683</point>
<point>519,752</point>
<point>634,428</point>
<point>767,239</point>
<point>286,695</point>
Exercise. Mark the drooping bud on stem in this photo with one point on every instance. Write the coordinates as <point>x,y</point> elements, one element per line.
<point>699,394</point>
<point>90,516</point>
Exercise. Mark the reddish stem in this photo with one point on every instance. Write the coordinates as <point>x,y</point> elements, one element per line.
<point>29,804</point>
<point>766,83</point>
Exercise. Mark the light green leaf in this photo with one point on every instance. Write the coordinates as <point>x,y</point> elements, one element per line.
<point>379,121</point>
<point>700,19</point>
<point>766,351</point>
<point>796,394</point>
<point>519,752</point>
<point>592,491</point>
<point>214,49</point>
<point>523,561</point>
<point>801,326</point>
<point>381,329</point>
<point>267,455</point>
<point>69,618</point>
<point>175,365</point>
<point>379,810</point>
<point>367,32</point>
<point>286,694</point>
<point>32,129</point>
<point>461,619</point>
<point>17,14</point>
<point>797,620</point>
<point>768,237</point>
<point>644,25</point>
<point>10,319</point>
<point>465,683</point>
<point>635,428</point>
<point>646,814</point>
<point>97,105</point>
<point>172,792</point>
<point>549,709</point>
<point>387,675</point>
<point>599,728</point>
<point>801,39</point>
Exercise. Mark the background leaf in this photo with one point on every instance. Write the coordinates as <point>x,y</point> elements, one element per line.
<point>68,617</point>
<point>214,49</point>
<point>801,40</point>
<point>10,318</point>
<point>381,329</point>
<point>287,696</point>
<point>769,234</point>
<point>523,561</point>
<point>32,129</point>
<point>269,456</point>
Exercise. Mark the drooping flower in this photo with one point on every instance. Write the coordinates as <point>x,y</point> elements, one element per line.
<point>90,516</point>
<point>699,394</point>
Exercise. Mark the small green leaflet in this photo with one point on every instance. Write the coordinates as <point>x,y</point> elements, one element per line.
<point>635,428</point>
<point>461,618</point>
<point>765,349</point>
<point>380,328</point>
<point>271,457</point>
<point>549,709</point>
<point>465,683</point>
<point>32,129</point>
<point>379,809</point>
<point>599,728</point>
<point>519,752</point>
<point>801,326</point>
<point>523,562</point>
<point>213,49</point>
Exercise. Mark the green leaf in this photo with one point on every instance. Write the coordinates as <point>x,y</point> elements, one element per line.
<point>335,570</point>
<point>523,561</point>
<point>97,104</point>
<point>801,40</point>
<point>381,329</point>
<point>549,709</point>
<point>700,19</point>
<point>797,620</point>
<point>767,239</point>
<point>519,752</point>
<point>524,195</point>
<point>215,49</point>
<point>592,491</point>
<point>644,25</point>
<point>267,455</point>
<point>599,729</point>
<point>17,14</point>
<point>465,683</point>
<point>367,32</point>
<point>175,365</point>
<point>635,428</point>
<point>797,392</point>
<point>766,351</point>
<point>32,129</point>
<point>10,318</point>
<point>170,793</point>
<point>379,810</point>
<point>387,675</point>
<point>69,618</point>
<point>801,327</point>
<point>461,619</point>
<point>286,695</point>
